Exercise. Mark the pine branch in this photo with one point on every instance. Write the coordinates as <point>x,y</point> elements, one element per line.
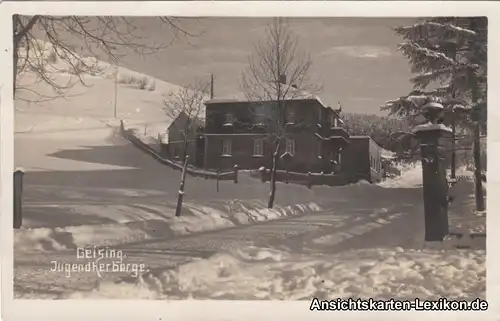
<point>425,60</point>
<point>435,29</point>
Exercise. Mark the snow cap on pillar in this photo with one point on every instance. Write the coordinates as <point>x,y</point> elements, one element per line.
<point>432,111</point>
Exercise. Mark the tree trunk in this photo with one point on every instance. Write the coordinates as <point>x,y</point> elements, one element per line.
<point>272,192</point>
<point>453,147</point>
<point>180,197</point>
<point>480,204</point>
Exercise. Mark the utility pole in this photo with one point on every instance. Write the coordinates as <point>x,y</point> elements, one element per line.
<point>116,63</point>
<point>116,86</point>
<point>212,86</point>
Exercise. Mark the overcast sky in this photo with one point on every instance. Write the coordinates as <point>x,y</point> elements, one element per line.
<point>356,58</point>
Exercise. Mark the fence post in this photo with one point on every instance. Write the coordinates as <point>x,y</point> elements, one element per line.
<point>235,168</point>
<point>309,180</point>
<point>286,175</point>
<point>218,177</point>
<point>122,127</point>
<point>18,198</point>
<point>262,171</point>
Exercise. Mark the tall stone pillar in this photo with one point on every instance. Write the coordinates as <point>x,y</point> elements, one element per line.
<point>435,184</point>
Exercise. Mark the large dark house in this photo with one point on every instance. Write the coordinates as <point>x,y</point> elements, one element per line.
<point>241,132</point>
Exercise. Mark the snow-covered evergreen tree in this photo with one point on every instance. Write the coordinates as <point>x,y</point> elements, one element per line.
<point>449,59</point>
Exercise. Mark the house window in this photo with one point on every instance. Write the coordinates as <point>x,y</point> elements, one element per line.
<point>290,146</point>
<point>258,147</point>
<point>226,147</point>
<point>290,116</point>
<point>228,118</point>
<point>259,112</point>
<point>339,158</point>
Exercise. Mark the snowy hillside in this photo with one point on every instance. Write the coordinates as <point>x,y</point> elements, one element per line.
<point>139,99</point>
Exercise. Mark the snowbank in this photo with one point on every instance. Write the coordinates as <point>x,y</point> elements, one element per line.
<point>138,223</point>
<point>263,273</point>
<point>151,133</point>
<point>411,177</point>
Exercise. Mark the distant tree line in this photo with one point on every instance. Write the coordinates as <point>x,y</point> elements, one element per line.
<point>388,132</point>
<point>381,129</point>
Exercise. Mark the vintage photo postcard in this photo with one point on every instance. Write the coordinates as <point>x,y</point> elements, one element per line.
<point>248,160</point>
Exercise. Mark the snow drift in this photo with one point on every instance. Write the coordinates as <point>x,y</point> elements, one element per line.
<point>268,274</point>
<point>134,224</point>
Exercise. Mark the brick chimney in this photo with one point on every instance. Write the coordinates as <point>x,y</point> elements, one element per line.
<point>282,79</point>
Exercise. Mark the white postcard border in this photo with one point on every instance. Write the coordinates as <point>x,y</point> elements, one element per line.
<point>234,310</point>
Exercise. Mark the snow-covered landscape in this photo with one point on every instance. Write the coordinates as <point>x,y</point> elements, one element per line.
<point>85,185</point>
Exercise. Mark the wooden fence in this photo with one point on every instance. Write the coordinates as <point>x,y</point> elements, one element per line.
<point>306,179</point>
<point>128,134</point>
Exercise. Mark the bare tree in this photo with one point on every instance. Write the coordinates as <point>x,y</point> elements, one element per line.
<point>106,36</point>
<point>278,73</point>
<point>185,107</point>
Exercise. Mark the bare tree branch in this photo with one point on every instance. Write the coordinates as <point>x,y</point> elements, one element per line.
<point>277,56</point>
<point>187,102</point>
<point>186,107</point>
<point>97,37</point>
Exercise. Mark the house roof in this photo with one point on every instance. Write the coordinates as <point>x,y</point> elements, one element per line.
<point>200,120</point>
<point>291,94</point>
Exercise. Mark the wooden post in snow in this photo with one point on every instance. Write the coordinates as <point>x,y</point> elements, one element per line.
<point>235,168</point>
<point>218,178</point>
<point>18,198</point>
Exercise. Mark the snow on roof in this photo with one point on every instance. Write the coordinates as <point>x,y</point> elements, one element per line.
<point>291,94</point>
<point>199,120</point>
<point>387,154</point>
